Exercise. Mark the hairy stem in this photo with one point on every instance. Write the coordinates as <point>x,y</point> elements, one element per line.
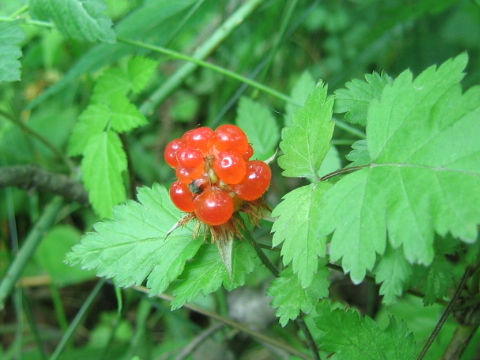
<point>299,321</point>
<point>28,248</point>
<point>196,342</point>
<point>32,177</point>
<point>236,325</point>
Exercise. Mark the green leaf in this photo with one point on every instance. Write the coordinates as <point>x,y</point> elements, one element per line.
<point>359,155</point>
<point>260,126</point>
<point>51,251</point>
<point>297,228</point>
<point>422,137</point>
<point>103,164</point>
<point>331,162</point>
<point>79,19</point>
<point>92,121</point>
<point>393,271</point>
<point>207,272</point>
<point>355,99</point>
<point>303,87</point>
<point>112,82</point>
<point>440,277</point>
<point>354,337</point>
<point>122,114</point>
<point>306,141</point>
<point>133,246</point>
<point>289,297</point>
<point>140,71</point>
<point>11,35</point>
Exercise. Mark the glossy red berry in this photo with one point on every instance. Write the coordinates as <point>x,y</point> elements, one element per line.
<point>229,137</point>
<point>198,138</point>
<point>188,175</point>
<point>190,158</point>
<point>230,167</point>
<point>214,206</point>
<point>255,182</point>
<point>181,196</point>
<point>170,153</point>
<point>249,153</point>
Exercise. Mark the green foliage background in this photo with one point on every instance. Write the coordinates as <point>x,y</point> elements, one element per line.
<point>384,91</point>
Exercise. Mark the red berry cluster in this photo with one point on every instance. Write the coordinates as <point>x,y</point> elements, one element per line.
<point>215,173</point>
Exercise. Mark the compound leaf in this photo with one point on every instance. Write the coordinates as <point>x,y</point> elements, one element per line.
<point>207,272</point>
<point>354,337</point>
<point>123,115</point>
<point>11,35</point>
<point>79,19</point>
<point>103,164</point>
<point>297,228</point>
<point>289,297</point>
<point>260,126</point>
<point>355,99</point>
<point>422,139</point>
<point>132,246</point>
<point>306,141</point>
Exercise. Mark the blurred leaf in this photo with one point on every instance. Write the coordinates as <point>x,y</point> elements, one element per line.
<point>51,252</point>
<point>306,141</point>
<point>300,92</point>
<point>132,245</point>
<point>78,19</point>
<point>289,297</point>
<point>393,271</point>
<point>207,272</point>
<point>185,106</point>
<point>260,126</point>
<point>357,95</point>
<point>296,228</point>
<point>103,164</point>
<point>11,35</point>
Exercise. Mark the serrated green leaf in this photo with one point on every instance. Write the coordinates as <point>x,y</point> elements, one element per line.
<point>355,99</point>
<point>140,71</point>
<point>123,115</point>
<point>78,19</point>
<point>112,82</point>
<point>207,272</point>
<point>132,246</point>
<point>306,141</point>
<point>440,277</point>
<point>303,87</point>
<point>289,297</point>
<point>359,154</point>
<point>422,137</point>
<point>260,126</point>
<point>393,271</point>
<point>354,337</point>
<point>51,251</point>
<point>11,35</point>
<point>90,123</point>
<point>103,164</point>
<point>297,228</point>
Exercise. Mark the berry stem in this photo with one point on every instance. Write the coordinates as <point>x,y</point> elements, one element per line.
<point>299,321</point>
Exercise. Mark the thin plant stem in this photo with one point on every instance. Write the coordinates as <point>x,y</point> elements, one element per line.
<point>233,75</point>
<point>445,314</point>
<point>28,248</point>
<point>197,341</point>
<point>236,325</point>
<point>19,12</point>
<point>222,32</point>
<point>77,320</point>
<point>299,320</point>
<point>33,326</point>
<point>40,138</point>
<point>59,309</point>
<point>343,171</point>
